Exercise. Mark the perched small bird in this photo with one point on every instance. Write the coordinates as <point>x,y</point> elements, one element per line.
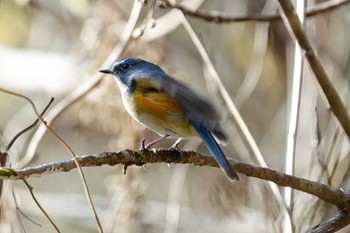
<point>167,106</point>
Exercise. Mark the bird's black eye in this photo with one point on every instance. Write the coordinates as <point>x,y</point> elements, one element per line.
<point>125,66</point>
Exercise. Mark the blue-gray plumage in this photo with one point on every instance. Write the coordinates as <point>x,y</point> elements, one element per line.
<point>168,107</point>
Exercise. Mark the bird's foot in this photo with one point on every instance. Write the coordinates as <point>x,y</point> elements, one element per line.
<point>176,144</point>
<point>152,143</point>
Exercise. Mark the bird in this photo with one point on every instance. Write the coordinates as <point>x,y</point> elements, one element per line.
<point>168,107</point>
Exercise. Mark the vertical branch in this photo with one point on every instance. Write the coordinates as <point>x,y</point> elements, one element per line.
<point>293,119</point>
<point>3,162</point>
<point>174,199</point>
<point>293,23</point>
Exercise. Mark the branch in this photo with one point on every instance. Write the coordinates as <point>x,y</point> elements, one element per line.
<point>339,221</point>
<point>221,17</point>
<point>60,139</point>
<point>30,188</point>
<point>128,157</point>
<point>34,124</point>
<point>292,22</point>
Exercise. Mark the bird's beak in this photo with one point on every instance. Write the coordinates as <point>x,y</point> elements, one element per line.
<point>106,71</point>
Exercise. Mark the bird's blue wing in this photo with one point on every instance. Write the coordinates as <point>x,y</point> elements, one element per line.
<point>194,107</point>
<point>201,115</point>
<point>216,151</point>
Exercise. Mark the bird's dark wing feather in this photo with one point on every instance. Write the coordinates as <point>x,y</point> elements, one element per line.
<point>195,108</point>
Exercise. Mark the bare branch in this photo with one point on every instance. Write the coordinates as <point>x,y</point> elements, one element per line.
<point>292,22</point>
<point>339,221</point>
<point>86,189</point>
<point>221,17</point>
<point>30,126</point>
<point>37,202</point>
<point>328,194</point>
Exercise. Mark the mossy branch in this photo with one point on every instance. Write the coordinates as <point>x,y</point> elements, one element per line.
<point>328,194</point>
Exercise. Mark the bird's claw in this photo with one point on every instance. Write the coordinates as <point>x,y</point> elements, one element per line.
<point>125,167</point>
<point>143,147</point>
<point>176,144</point>
<point>152,143</point>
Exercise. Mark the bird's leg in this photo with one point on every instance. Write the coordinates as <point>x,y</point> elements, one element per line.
<point>175,147</point>
<point>176,144</point>
<point>152,143</point>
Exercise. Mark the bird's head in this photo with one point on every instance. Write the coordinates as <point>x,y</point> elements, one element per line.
<point>128,69</point>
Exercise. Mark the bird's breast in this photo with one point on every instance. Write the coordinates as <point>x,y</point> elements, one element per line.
<point>158,111</point>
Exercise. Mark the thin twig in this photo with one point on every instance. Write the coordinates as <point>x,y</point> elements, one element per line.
<point>30,188</point>
<point>30,126</point>
<point>173,207</point>
<point>19,215</point>
<point>292,22</point>
<point>331,195</point>
<point>20,212</point>
<point>83,179</point>
<point>221,17</point>
<point>167,23</point>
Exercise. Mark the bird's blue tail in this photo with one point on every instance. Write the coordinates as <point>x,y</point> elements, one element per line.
<point>217,152</point>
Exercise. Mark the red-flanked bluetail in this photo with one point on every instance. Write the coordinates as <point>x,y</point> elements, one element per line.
<point>168,107</point>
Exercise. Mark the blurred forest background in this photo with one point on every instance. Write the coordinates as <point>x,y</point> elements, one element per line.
<point>53,48</point>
